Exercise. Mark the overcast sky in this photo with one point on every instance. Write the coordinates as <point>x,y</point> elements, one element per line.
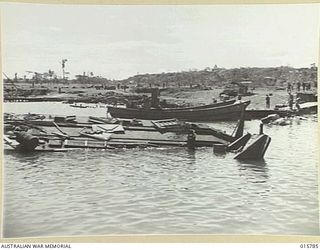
<point>120,41</point>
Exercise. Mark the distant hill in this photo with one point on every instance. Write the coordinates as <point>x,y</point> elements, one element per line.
<point>219,77</point>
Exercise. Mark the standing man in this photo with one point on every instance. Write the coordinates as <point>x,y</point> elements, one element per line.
<point>267,101</point>
<point>298,86</point>
<point>191,139</point>
<point>290,101</point>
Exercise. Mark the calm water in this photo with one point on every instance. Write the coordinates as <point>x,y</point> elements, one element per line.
<point>163,190</point>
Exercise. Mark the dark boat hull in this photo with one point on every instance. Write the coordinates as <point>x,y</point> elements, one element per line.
<point>220,113</point>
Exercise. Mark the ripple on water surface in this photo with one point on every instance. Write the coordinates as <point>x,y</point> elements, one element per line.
<point>165,190</point>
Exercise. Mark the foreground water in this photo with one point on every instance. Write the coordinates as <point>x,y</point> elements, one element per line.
<point>164,190</point>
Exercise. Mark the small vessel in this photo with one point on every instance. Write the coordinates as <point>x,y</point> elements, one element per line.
<point>217,112</point>
<point>78,105</point>
<point>308,108</point>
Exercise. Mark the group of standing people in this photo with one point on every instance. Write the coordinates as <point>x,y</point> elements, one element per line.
<point>290,87</point>
<point>304,86</point>
<point>290,101</point>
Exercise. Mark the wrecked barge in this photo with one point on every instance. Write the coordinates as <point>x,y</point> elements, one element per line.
<point>67,133</point>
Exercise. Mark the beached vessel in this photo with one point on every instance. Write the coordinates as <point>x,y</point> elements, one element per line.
<point>200,113</point>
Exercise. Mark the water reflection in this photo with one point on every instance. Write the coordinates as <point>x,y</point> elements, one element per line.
<point>30,159</point>
<point>253,163</point>
<point>220,155</point>
<point>256,170</point>
<point>191,154</point>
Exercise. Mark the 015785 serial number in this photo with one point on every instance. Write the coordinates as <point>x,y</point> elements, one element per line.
<point>309,246</point>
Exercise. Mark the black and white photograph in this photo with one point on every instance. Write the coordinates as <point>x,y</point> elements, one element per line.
<point>159,119</point>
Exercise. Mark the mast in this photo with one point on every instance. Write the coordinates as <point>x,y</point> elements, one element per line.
<point>240,126</point>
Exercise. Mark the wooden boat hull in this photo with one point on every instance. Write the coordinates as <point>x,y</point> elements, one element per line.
<point>212,105</point>
<point>308,108</point>
<point>227,112</point>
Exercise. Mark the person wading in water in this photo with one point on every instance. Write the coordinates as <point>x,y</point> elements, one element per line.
<point>267,101</point>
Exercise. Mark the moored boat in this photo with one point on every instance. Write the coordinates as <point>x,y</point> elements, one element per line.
<point>78,105</point>
<point>200,113</point>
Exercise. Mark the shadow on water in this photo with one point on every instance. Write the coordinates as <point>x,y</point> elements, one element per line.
<point>23,157</point>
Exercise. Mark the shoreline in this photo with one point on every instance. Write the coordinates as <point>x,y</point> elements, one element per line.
<point>172,96</point>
